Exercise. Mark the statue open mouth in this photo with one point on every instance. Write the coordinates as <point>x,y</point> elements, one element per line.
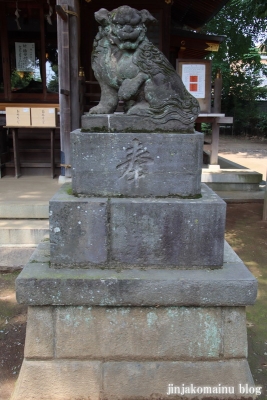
<point>129,37</point>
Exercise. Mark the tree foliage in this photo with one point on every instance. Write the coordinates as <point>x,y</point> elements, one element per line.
<point>239,60</point>
<point>20,80</point>
<point>261,8</point>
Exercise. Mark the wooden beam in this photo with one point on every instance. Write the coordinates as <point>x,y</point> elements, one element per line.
<point>43,53</point>
<point>64,84</point>
<point>68,56</point>
<point>52,154</point>
<point>5,51</point>
<point>16,152</point>
<point>65,92</point>
<point>220,120</point>
<point>61,13</point>
<point>166,29</point>
<point>192,43</point>
<point>225,120</point>
<point>74,67</point>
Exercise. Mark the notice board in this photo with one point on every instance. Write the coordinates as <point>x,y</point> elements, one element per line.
<point>196,76</point>
<point>25,56</point>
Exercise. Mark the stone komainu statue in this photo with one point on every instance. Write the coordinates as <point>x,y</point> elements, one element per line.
<point>129,67</point>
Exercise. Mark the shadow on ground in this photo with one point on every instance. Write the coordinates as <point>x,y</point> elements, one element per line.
<point>246,233</point>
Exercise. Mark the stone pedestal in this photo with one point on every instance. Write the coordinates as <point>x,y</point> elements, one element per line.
<point>137,232</point>
<point>136,164</point>
<point>130,334</point>
<point>136,295</point>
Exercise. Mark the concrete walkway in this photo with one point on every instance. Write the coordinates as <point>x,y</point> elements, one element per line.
<point>255,163</point>
<point>251,153</point>
<point>26,197</point>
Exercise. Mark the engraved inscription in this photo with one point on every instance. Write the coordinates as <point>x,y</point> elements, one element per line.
<point>137,161</point>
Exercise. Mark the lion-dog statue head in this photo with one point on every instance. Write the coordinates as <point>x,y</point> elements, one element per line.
<point>130,68</point>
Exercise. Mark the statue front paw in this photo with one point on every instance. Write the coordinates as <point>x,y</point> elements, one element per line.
<point>140,109</point>
<point>127,90</point>
<point>99,109</point>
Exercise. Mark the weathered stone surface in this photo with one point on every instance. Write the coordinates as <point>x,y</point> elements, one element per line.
<point>58,380</point>
<point>232,285</point>
<point>170,232</point>
<point>72,380</point>
<point>78,229</point>
<point>96,123</point>
<point>150,333</point>
<point>115,123</point>
<point>42,255</point>
<point>151,379</point>
<point>131,164</point>
<point>235,333</point>
<point>39,341</point>
<point>173,232</point>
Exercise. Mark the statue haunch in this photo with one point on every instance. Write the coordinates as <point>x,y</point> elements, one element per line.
<point>130,68</point>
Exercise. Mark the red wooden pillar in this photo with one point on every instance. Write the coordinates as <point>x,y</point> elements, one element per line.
<point>68,56</point>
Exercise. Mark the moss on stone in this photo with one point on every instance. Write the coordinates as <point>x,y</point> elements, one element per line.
<point>156,130</point>
<point>96,129</point>
<point>123,196</point>
<point>103,129</point>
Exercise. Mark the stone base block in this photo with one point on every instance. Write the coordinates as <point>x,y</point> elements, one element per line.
<point>181,380</point>
<point>169,232</point>
<point>39,284</point>
<point>148,380</point>
<point>136,164</point>
<point>130,123</point>
<point>58,380</point>
<point>78,229</point>
<point>136,333</point>
<point>135,353</point>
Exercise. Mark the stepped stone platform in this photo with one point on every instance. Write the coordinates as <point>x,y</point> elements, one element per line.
<point>232,179</point>
<point>232,285</point>
<point>136,291</point>
<point>22,231</point>
<point>129,334</point>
